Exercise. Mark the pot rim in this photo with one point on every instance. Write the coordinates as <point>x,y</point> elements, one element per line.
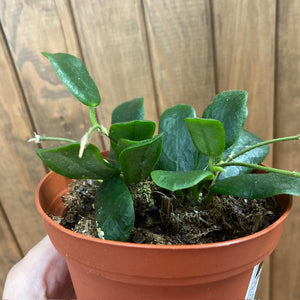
<point>149,246</point>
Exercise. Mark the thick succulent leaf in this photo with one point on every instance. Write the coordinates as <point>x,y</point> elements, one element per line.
<point>138,160</point>
<point>114,209</point>
<point>258,185</point>
<point>179,152</point>
<point>255,156</point>
<point>134,130</point>
<point>174,181</point>
<point>230,108</point>
<point>75,77</point>
<point>65,161</point>
<point>208,135</point>
<point>129,111</point>
<point>124,143</point>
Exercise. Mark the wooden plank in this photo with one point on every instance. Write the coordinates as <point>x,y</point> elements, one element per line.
<point>245,43</point>
<point>9,251</point>
<point>263,288</point>
<point>285,276</point>
<point>21,169</point>
<point>180,43</point>
<point>114,47</point>
<point>245,47</point>
<point>31,27</point>
<point>286,259</point>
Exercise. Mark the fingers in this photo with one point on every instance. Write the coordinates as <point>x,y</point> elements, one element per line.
<point>41,274</point>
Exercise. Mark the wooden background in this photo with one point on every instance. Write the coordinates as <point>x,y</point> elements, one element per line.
<point>167,51</point>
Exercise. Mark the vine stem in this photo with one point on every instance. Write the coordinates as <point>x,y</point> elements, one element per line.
<point>39,138</point>
<point>96,125</point>
<point>93,118</point>
<point>282,139</point>
<point>211,163</point>
<point>259,167</point>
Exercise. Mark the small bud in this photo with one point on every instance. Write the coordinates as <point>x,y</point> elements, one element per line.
<point>36,139</point>
<point>83,143</point>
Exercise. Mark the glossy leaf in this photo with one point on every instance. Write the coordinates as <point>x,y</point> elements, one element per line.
<point>124,143</point>
<point>208,135</point>
<point>114,209</point>
<point>179,152</point>
<point>138,160</point>
<point>255,156</point>
<point>230,109</point>
<point>174,181</point>
<point>65,161</point>
<point>75,77</point>
<point>258,185</point>
<point>134,130</point>
<point>129,111</point>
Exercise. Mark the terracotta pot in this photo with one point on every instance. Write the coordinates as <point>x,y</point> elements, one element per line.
<point>103,269</point>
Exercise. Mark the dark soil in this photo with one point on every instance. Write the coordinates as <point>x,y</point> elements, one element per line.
<point>163,217</point>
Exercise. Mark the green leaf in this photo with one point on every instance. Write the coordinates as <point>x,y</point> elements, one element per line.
<point>65,161</point>
<point>230,109</point>
<point>178,180</point>
<point>255,156</point>
<point>179,152</point>
<point>208,135</point>
<point>137,161</point>
<point>134,130</point>
<point>129,111</point>
<point>258,185</point>
<point>75,77</point>
<point>114,209</point>
<point>124,143</point>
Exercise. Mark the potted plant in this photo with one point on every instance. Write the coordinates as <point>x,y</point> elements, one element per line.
<point>189,166</point>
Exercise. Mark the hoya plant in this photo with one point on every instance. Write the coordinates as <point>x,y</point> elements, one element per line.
<point>198,156</point>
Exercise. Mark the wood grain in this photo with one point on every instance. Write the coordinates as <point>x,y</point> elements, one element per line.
<point>114,47</point>
<point>245,49</point>
<point>245,43</point>
<point>9,251</point>
<point>32,27</point>
<point>167,51</point>
<point>21,170</point>
<point>263,288</point>
<point>286,259</point>
<point>180,40</point>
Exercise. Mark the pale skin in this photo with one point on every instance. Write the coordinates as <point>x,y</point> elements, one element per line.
<point>41,274</point>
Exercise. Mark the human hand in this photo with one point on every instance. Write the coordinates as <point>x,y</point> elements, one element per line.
<point>41,274</point>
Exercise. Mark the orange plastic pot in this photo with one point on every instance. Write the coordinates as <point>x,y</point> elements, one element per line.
<point>103,269</point>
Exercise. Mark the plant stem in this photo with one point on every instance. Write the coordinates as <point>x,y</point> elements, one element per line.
<point>283,139</point>
<point>92,129</point>
<point>96,125</point>
<point>93,117</point>
<point>40,138</point>
<point>259,167</point>
<point>195,193</point>
<point>208,199</point>
<point>211,164</point>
